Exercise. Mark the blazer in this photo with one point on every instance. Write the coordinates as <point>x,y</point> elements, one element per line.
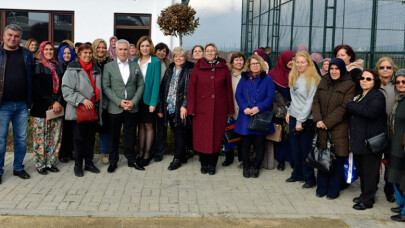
<point>114,87</point>
<point>152,81</point>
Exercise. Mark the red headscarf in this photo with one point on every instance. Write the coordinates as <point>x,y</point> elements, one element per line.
<point>260,53</point>
<point>50,64</point>
<point>280,72</point>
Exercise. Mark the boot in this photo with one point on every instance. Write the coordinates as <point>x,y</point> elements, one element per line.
<point>229,156</point>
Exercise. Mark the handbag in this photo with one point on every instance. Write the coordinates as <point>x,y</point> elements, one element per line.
<point>84,114</point>
<point>276,136</point>
<point>50,114</point>
<point>279,105</point>
<point>230,136</point>
<point>323,160</point>
<point>261,121</point>
<point>377,143</point>
<point>349,169</point>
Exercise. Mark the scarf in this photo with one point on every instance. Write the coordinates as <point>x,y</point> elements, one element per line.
<point>50,64</point>
<point>72,55</point>
<point>356,64</point>
<point>212,62</point>
<point>398,99</point>
<point>280,72</point>
<point>131,57</point>
<point>111,50</point>
<point>89,68</point>
<point>252,77</point>
<point>95,56</point>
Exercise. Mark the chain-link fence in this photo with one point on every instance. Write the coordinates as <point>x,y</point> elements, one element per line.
<point>373,28</point>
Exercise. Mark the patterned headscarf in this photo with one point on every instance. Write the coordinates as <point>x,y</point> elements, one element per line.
<point>131,57</point>
<point>398,99</point>
<point>51,64</point>
<point>72,55</point>
<point>94,46</point>
<point>111,50</point>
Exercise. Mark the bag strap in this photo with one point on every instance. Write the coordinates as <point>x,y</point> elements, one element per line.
<point>329,142</point>
<point>247,94</point>
<point>315,139</point>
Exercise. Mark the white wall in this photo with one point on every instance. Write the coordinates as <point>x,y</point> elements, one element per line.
<point>95,18</point>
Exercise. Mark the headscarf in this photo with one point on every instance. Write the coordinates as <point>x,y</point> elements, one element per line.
<point>72,55</point>
<point>301,47</point>
<point>111,50</point>
<point>50,64</point>
<point>316,57</point>
<point>280,72</point>
<point>94,45</point>
<point>342,67</point>
<point>398,99</point>
<point>323,72</point>
<point>260,53</point>
<point>131,57</point>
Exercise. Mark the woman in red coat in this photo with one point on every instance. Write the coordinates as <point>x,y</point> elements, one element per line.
<point>210,101</point>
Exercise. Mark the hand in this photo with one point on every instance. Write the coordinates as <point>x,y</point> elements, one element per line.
<point>321,124</point>
<point>254,111</point>
<point>124,104</point>
<point>287,118</point>
<point>299,127</point>
<point>130,105</point>
<point>183,113</point>
<point>151,109</point>
<point>88,104</point>
<point>56,107</point>
<point>160,115</point>
<point>247,111</point>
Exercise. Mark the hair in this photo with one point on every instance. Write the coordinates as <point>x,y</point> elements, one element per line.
<point>161,46</point>
<point>78,44</point>
<point>388,59</point>
<point>267,49</point>
<point>349,51</point>
<point>192,50</point>
<point>29,41</point>
<point>263,66</point>
<point>122,41</point>
<point>234,56</point>
<point>212,45</point>
<point>138,46</point>
<point>84,47</point>
<point>179,51</point>
<point>14,27</point>
<point>377,80</point>
<point>311,74</point>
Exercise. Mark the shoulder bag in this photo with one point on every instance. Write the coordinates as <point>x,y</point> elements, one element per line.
<point>377,143</point>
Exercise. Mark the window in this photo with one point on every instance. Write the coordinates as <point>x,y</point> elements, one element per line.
<point>132,26</point>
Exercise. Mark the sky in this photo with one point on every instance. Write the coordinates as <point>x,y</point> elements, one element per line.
<point>220,23</point>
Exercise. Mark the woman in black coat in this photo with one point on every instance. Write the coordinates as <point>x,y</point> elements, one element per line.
<point>367,119</point>
<point>173,102</point>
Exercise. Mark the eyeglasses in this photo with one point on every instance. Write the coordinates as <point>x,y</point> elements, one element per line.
<point>367,79</point>
<point>254,64</point>
<point>400,82</point>
<point>386,67</point>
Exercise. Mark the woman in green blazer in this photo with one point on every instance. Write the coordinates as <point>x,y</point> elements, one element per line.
<point>151,69</point>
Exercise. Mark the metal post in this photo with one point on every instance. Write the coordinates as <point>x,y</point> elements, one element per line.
<point>260,22</point>
<point>373,32</point>
<point>334,24</point>
<point>268,24</point>
<point>292,24</point>
<point>310,26</point>
<point>325,24</point>
<point>241,29</point>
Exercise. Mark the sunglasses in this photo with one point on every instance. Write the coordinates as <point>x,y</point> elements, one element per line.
<point>386,67</point>
<point>397,82</point>
<point>368,79</point>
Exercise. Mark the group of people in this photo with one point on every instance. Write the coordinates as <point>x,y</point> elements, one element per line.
<point>74,92</point>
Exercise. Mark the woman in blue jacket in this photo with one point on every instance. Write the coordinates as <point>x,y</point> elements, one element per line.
<point>254,94</point>
<point>151,69</point>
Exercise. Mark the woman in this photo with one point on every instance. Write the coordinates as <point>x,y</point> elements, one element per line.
<point>303,81</point>
<point>81,85</point>
<point>353,66</point>
<point>131,51</point>
<point>111,48</point>
<point>32,45</point>
<point>151,70</point>
<point>101,57</point>
<point>367,119</point>
<point>162,50</point>
<point>47,95</point>
<point>386,70</point>
<point>210,101</point>
<point>173,102</point>
<point>254,95</point>
<point>279,74</point>
<point>236,64</point>
<point>325,66</point>
<point>196,53</point>
<point>334,91</point>
<point>66,55</point>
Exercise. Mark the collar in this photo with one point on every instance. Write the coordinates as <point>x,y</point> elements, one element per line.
<point>149,61</point>
<point>119,61</point>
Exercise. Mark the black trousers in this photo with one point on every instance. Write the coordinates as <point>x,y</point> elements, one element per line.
<point>128,120</point>
<point>159,145</point>
<point>189,133</point>
<point>84,138</point>
<point>368,168</point>
<point>67,139</point>
<point>209,159</point>
<point>259,146</point>
<point>179,139</point>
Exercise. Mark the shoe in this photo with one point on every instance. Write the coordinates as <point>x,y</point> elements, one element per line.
<point>78,171</point>
<point>227,163</point>
<point>112,167</point>
<point>158,158</point>
<point>291,180</point>
<point>22,174</point>
<point>356,199</point>
<point>52,169</point>
<point>390,198</point>
<point>175,164</point>
<point>204,169</point>
<point>398,218</point>
<point>145,162</point>
<point>281,166</point>
<point>319,195</point>
<point>42,171</point>
<point>246,172</point>
<point>362,206</point>
<point>331,198</point>
<point>307,185</point>
<point>135,164</point>
<point>211,170</point>
<point>104,159</point>
<point>183,160</point>
<point>64,160</point>
<point>255,173</point>
<point>92,169</point>
<point>397,209</point>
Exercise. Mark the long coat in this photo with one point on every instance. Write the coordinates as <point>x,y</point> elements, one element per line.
<point>367,119</point>
<point>261,94</point>
<point>329,106</point>
<point>210,100</point>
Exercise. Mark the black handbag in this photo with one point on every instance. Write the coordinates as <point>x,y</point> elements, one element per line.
<point>323,160</point>
<point>261,121</point>
<point>377,143</point>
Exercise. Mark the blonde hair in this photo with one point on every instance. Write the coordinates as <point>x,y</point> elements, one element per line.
<point>310,73</point>
<point>388,59</point>
<point>179,51</point>
<point>263,66</point>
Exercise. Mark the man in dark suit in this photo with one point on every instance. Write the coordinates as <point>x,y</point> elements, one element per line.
<point>123,84</point>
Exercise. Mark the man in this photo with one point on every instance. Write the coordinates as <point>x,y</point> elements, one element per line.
<point>123,84</point>
<point>267,51</point>
<point>15,96</point>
